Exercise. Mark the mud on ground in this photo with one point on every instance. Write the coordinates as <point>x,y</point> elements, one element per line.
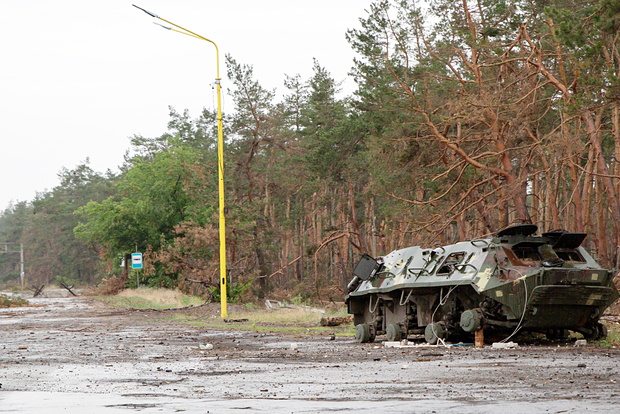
<point>78,355</point>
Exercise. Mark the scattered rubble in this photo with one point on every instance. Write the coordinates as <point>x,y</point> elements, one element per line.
<point>505,345</point>
<point>273,304</point>
<point>75,354</point>
<point>336,320</point>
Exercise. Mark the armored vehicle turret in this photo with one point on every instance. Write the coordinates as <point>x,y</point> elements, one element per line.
<point>513,282</point>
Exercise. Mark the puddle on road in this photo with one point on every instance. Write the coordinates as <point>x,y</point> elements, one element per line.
<point>103,366</point>
<point>40,308</point>
<point>79,403</point>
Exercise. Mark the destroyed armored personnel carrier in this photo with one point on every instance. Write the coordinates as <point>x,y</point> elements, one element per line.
<point>513,282</point>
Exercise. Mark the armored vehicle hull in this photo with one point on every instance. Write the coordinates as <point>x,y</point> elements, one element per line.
<point>516,281</point>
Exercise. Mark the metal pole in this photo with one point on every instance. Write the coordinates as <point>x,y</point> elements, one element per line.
<point>220,173</point>
<point>21,265</point>
<point>220,159</point>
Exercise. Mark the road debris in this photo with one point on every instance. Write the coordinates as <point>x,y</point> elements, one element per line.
<point>505,345</point>
<point>161,364</point>
<point>336,320</point>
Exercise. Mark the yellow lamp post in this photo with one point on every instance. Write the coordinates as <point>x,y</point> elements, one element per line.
<point>220,156</point>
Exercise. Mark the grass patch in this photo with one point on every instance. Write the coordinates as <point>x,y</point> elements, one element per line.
<point>297,320</point>
<point>149,298</point>
<point>291,321</point>
<point>12,301</point>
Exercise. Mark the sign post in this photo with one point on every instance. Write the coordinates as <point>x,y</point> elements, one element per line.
<point>136,263</point>
<point>136,260</point>
<point>5,249</point>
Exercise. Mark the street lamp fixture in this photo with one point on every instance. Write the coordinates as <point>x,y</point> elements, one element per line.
<point>220,155</point>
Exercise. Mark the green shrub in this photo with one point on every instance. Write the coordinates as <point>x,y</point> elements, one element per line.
<point>235,290</point>
<point>12,301</point>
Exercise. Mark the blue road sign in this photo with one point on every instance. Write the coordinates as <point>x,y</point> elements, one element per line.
<point>136,260</point>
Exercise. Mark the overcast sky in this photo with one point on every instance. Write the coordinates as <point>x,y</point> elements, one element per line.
<point>79,77</point>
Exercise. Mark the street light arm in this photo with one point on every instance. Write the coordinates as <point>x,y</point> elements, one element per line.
<point>196,35</point>
<point>161,25</point>
<point>178,31</point>
<point>146,11</point>
<point>188,33</point>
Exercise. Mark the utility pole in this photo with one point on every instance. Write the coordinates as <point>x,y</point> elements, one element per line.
<point>5,249</point>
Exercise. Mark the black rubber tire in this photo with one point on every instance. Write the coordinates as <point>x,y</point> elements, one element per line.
<point>596,332</point>
<point>557,334</point>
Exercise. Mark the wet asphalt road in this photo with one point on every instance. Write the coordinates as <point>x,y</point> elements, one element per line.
<point>74,355</point>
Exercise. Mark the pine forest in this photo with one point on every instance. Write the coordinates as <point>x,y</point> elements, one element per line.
<point>468,116</point>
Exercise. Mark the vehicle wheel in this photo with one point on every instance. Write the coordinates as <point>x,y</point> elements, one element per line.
<point>595,332</point>
<point>590,334</point>
<point>362,333</point>
<point>559,334</point>
<point>471,320</point>
<point>393,332</point>
<point>434,332</point>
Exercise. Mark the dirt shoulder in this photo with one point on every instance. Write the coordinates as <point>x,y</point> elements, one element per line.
<point>70,353</point>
